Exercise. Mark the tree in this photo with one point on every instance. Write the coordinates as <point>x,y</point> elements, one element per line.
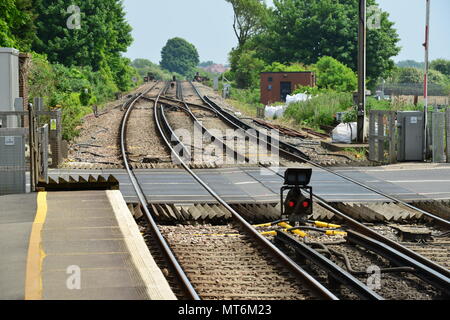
<point>414,75</point>
<point>331,74</point>
<point>179,56</point>
<point>249,18</point>
<point>103,35</point>
<point>409,75</point>
<point>205,64</point>
<point>279,67</point>
<point>306,30</point>
<point>437,77</point>
<point>144,67</point>
<point>410,64</point>
<point>17,24</point>
<point>246,68</point>
<point>441,65</point>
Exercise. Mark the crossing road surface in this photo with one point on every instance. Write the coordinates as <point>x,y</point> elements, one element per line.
<point>248,185</point>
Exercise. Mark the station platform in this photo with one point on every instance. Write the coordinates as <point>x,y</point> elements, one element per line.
<point>82,245</point>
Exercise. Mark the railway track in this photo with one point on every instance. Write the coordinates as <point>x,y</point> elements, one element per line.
<point>157,237</point>
<point>296,282</point>
<point>298,156</point>
<point>208,241</point>
<point>421,270</point>
<point>401,248</point>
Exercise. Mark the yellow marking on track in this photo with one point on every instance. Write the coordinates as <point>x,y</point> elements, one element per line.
<point>217,235</point>
<point>36,255</point>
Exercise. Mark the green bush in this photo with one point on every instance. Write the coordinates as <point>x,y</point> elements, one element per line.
<point>246,100</point>
<point>334,75</point>
<point>75,89</point>
<point>374,104</point>
<point>250,96</point>
<point>144,67</point>
<point>279,67</point>
<point>72,113</point>
<point>246,68</point>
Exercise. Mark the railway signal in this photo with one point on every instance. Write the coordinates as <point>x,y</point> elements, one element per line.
<point>298,204</point>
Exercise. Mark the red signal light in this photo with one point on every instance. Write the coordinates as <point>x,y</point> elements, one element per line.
<point>306,204</point>
<point>291,204</point>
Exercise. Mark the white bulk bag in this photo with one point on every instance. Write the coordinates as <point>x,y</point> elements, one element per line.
<point>345,133</point>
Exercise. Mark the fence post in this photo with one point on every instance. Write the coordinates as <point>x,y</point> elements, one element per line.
<point>43,153</point>
<point>392,138</point>
<point>438,136</point>
<point>372,138</point>
<point>33,148</point>
<point>55,138</point>
<point>381,136</point>
<point>447,113</point>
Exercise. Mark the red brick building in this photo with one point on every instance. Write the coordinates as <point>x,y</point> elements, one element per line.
<point>275,86</point>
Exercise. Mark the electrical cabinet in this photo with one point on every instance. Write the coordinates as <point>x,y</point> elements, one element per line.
<point>411,135</point>
<point>12,164</point>
<point>9,84</point>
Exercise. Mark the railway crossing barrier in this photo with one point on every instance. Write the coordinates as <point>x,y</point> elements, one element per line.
<point>260,112</point>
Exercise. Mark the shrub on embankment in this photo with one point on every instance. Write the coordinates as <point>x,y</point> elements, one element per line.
<point>74,89</point>
<point>319,110</point>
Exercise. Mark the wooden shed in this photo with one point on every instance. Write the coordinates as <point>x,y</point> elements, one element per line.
<point>275,86</point>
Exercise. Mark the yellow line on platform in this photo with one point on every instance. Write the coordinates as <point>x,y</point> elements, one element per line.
<point>36,255</point>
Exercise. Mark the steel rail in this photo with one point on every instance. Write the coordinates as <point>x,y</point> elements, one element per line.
<point>171,100</point>
<point>298,154</point>
<point>283,148</point>
<point>357,226</point>
<point>313,284</point>
<point>423,272</point>
<point>329,266</point>
<point>144,203</point>
<point>217,141</point>
<point>365,230</point>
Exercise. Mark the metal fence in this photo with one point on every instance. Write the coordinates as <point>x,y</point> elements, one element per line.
<point>384,137</point>
<point>13,165</point>
<point>438,134</point>
<point>447,122</point>
<point>12,160</point>
<point>412,89</point>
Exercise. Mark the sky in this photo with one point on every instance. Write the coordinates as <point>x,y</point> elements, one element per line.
<point>208,24</point>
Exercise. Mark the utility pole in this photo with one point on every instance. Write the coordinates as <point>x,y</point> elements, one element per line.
<point>425,82</point>
<point>362,34</point>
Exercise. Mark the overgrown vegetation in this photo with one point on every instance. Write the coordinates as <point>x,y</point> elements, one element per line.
<point>145,67</point>
<point>74,66</point>
<point>319,36</point>
<point>75,89</point>
<point>303,31</point>
<point>319,110</point>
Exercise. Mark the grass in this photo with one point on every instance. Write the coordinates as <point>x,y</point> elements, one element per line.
<point>320,110</point>
<point>359,153</point>
<point>245,100</point>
